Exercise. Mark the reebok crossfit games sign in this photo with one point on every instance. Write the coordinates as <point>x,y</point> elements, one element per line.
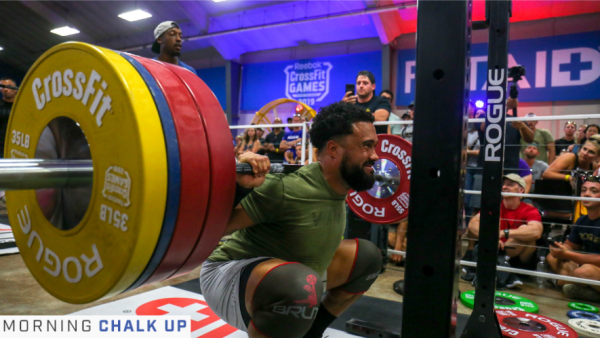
<point>307,82</point>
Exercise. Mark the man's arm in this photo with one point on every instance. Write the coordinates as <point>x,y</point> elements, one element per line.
<point>239,220</point>
<point>261,166</point>
<point>381,115</point>
<point>528,180</point>
<point>526,233</point>
<point>551,152</point>
<point>474,225</point>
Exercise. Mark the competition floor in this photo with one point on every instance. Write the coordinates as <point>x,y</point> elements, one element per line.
<point>21,295</point>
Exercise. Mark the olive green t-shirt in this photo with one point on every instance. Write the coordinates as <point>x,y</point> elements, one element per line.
<point>541,137</point>
<point>298,218</point>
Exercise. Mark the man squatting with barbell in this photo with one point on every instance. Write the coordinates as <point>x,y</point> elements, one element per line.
<point>285,271</point>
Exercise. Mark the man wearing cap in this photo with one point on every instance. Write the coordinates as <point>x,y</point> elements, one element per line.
<point>272,142</point>
<point>520,226</point>
<point>167,44</point>
<point>543,138</point>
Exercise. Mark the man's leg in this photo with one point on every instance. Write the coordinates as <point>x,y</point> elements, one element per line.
<point>561,267</point>
<point>524,250</point>
<point>353,269</point>
<point>282,299</point>
<point>588,271</point>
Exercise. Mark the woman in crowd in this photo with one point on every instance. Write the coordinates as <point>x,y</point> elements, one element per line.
<point>590,130</point>
<point>584,160</point>
<point>250,142</point>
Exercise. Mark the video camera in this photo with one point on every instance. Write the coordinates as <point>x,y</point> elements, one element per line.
<point>516,73</point>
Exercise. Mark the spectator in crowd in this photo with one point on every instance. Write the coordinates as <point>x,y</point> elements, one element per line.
<point>563,143</point>
<point>295,156</point>
<point>250,142</point>
<point>366,98</point>
<point>525,173</point>
<point>290,120</point>
<point>395,129</point>
<point>411,110</point>
<point>167,44</point>
<point>579,256</point>
<point>472,154</point>
<point>272,142</point>
<point>537,167</point>
<point>259,134</point>
<point>544,140</point>
<point>580,133</point>
<point>520,228</point>
<point>8,97</point>
<point>589,131</point>
<point>406,131</point>
<point>293,137</point>
<point>387,94</point>
<point>584,160</point>
<point>514,132</point>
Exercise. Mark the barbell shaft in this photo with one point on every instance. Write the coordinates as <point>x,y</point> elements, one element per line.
<point>29,174</point>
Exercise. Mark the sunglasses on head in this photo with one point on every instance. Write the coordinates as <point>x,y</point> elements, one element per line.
<point>571,122</point>
<point>589,178</point>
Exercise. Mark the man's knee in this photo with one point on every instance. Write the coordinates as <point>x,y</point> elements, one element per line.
<point>286,301</point>
<point>366,268</point>
<point>587,271</point>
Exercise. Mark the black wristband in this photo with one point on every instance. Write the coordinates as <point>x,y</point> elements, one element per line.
<point>506,233</point>
<point>240,193</point>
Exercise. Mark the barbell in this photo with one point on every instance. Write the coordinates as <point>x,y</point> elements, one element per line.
<point>122,174</point>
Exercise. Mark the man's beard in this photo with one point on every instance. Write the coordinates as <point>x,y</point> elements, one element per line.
<point>355,176</point>
<point>530,156</point>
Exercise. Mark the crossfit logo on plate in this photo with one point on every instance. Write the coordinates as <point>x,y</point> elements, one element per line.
<point>117,186</point>
<point>307,82</point>
<point>61,84</point>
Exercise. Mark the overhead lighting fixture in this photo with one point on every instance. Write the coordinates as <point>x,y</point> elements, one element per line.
<point>218,0</point>
<point>136,15</point>
<point>1,48</point>
<point>65,31</point>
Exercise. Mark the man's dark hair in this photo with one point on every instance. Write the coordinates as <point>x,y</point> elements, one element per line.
<point>367,74</point>
<point>335,121</point>
<point>4,78</point>
<point>389,92</point>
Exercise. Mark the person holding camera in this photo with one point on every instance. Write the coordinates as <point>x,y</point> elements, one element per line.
<point>365,98</point>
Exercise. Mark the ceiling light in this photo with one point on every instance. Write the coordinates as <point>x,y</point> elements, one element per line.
<point>218,0</point>
<point>64,31</point>
<point>1,48</point>
<point>136,15</point>
<point>479,104</point>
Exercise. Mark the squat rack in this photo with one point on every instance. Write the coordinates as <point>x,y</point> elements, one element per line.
<point>439,160</point>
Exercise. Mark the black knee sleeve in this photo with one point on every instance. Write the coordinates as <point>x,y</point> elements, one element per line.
<point>365,270</point>
<point>286,301</point>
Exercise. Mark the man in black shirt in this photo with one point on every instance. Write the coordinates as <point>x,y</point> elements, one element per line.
<point>365,97</point>
<point>569,138</point>
<point>8,97</point>
<point>272,142</point>
<point>579,255</point>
